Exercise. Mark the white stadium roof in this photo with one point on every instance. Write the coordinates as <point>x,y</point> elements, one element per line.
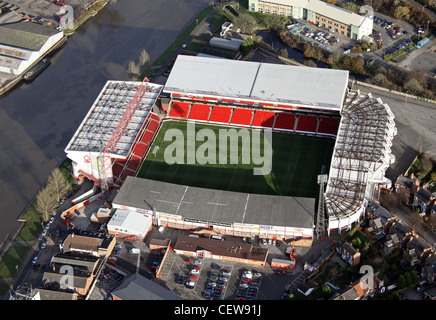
<point>100,123</point>
<point>361,155</point>
<point>260,82</point>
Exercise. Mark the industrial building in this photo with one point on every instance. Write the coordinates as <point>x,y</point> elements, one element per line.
<point>323,14</point>
<point>22,43</point>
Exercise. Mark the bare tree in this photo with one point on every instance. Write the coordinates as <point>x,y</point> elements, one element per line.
<point>134,70</point>
<point>144,57</point>
<point>246,23</point>
<point>45,203</point>
<point>57,185</point>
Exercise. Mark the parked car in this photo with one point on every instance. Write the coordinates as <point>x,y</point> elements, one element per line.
<point>225,272</point>
<point>181,280</point>
<point>195,271</point>
<point>43,246</point>
<point>34,260</point>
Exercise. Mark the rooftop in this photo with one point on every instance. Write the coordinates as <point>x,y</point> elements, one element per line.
<point>138,287</point>
<point>260,82</point>
<point>325,9</point>
<point>105,115</point>
<point>222,248</point>
<point>216,205</point>
<point>24,34</point>
<point>361,153</point>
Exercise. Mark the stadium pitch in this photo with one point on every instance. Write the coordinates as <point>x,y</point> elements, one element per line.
<point>296,161</point>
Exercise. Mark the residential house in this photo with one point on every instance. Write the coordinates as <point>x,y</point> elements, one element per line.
<point>430,294</point>
<point>92,243</point>
<point>359,290</point>
<point>348,253</point>
<point>376,225</point>
<point>71,271</point>
<point>391,243</point>
<point>423,200</point>
<point>429,268</point>
<point>408,185</point>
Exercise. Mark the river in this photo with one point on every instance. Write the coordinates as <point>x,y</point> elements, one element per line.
<point>38,119</point>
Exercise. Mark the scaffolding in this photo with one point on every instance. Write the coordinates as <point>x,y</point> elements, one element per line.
<point>113,123</point>
<point>360,159</point>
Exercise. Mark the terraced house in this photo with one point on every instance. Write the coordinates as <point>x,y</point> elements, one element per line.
<point>320,13</point>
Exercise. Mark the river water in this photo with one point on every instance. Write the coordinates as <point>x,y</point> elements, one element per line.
<point>37,120</point>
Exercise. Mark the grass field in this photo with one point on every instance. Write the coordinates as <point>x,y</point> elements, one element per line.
<point>296,162</point>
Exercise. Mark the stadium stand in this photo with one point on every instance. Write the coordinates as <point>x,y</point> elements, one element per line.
<point>285,121</point>
<point>123,168</point>
<point>220,114</point>
<point>179,109</point>
<point>328,126</point>
<point>307,123</point>
<point>242,117</point>
<point>263,119</point>
<point>200,112</point>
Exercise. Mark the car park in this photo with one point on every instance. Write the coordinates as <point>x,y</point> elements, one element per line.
<point>181,280</point>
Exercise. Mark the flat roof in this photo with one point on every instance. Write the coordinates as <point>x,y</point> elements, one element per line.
<point>216,205</point>
<point>326,9</point>
<point>130,220</point>
<point>105,115</point>
<point>222,248</point>
<point>261,82</point>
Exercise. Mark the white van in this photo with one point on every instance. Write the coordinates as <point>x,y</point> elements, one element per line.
<point>217,238</point>
<point>135,250</point>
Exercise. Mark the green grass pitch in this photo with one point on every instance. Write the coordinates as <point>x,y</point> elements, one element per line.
<point>296,162</point>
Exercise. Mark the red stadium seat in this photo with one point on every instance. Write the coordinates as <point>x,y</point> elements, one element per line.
<point>285,121</point>
<point>199,112</point>
<point>242,116</point>
<point>264,119</point>
<point>220,114</point>
<point>179,109</point>
<point>328,126</point>
<point>306,123</point>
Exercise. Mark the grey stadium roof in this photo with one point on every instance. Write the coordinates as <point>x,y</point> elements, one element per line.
<point>281,84</point>
<point>216,205</point>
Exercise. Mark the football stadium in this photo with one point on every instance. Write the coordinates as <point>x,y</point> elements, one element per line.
<point>244,148</point>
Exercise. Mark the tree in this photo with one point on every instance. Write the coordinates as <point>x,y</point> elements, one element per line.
<point>413,86</point>
<point>45,203</point>
<point>246,23</point>
<point>401,282</point>
<point>284,53</point>
<point>144,58</point>
<point>402,13</point>
<point>134,70</point>
<point>379,79</point>
<point>274,22</point>
<point>57,185</point>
